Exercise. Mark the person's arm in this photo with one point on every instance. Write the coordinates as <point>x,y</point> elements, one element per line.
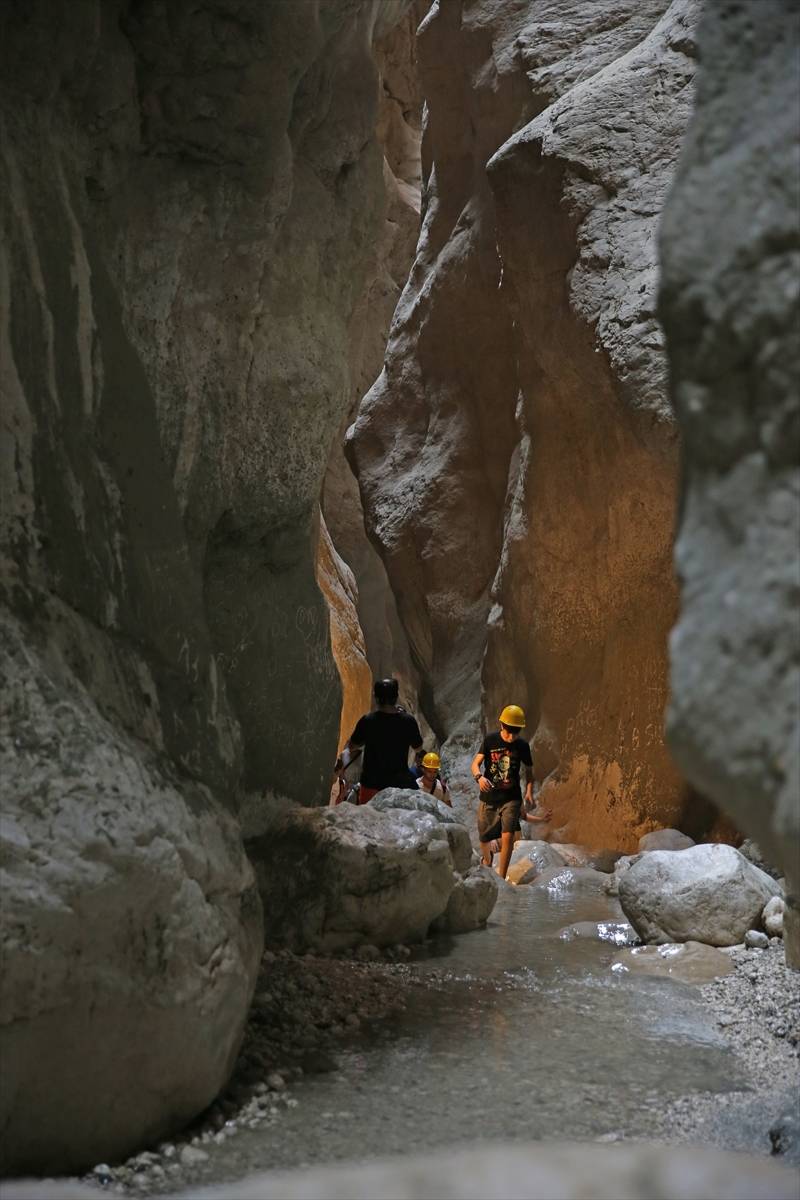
<point>480,779</point>
<point>352,751</point>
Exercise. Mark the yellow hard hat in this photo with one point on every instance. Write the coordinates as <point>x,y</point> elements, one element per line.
<point>512,715</point>
<point>432,760</point>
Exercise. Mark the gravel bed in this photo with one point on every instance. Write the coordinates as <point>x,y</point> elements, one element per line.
<point>304,1008</point>
<point>757,1008</point>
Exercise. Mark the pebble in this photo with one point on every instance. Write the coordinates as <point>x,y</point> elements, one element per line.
<point>191,1156</point>
<point>103,1171</point>
<point>276,1081</point>
<point>756,940</point>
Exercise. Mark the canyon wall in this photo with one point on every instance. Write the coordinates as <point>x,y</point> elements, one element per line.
<point>399,134</point>
<point>730,249</point>
<point>190,198</point>
<point>518,455</point>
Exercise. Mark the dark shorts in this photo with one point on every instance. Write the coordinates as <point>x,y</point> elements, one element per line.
<point>498,816</point>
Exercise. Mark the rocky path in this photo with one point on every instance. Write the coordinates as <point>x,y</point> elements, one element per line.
<point>507,1033</point>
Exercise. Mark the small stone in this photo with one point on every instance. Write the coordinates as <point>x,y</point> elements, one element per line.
<point>756,940</point>
<point>102,1171</point>
<point>167,1150</point>
<point>140,1181</point>
<point>276,1082</point>
<point>773,915</point>
<point>192,1156</point>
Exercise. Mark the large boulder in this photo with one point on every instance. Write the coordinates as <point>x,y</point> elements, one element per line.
<point>130,928</point>
<point>355,875</point>
<point>412,800</point>
<point>708,893</point>
<point>729,293</point>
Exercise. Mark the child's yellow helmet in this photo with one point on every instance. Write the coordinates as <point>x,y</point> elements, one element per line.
<point>513,715</point>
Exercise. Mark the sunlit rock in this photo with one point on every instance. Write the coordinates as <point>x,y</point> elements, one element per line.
<point>708,893</point>
<point>347,639</point>
<point>689,961</point>
<point>531,858</point>
<point>526,518</point>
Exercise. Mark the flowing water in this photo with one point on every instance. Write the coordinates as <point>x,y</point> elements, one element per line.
<point>516,1033</point>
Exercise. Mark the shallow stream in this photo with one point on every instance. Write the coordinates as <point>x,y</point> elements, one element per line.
<point>510,1032</point>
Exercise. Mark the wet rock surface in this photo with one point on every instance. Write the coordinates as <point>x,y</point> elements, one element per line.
<point>691,962</point>
<point>708,893</point>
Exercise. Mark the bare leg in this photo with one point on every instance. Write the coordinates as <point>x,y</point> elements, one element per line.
<point>506,846</point>
<point>486,853</point>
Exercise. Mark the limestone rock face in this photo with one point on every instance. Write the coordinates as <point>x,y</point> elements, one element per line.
<point>517,455</point>
<point>131,931</point>
<point>399,135</point>
<point>353,875</point>
<point>189,196</point>
<point>584,593</point>
<point>729,249</point>
<point>708,894</point>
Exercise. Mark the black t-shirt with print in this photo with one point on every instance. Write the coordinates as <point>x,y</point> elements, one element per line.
<point>387,739</point>
<point>501,765</point>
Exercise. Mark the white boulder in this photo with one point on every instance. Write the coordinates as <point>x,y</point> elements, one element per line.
<point>378,873</point>
<point>707,893</point>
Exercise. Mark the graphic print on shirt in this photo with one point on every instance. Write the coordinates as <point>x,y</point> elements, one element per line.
<point>500,768</point>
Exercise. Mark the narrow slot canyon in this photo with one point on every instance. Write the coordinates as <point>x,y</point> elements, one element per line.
<point>400,519</point>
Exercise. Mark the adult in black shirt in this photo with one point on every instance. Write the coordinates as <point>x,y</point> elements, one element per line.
<point>501,758</point>
<point>386,735</point>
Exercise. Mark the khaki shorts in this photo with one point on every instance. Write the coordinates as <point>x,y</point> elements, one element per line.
<point>497,818</point>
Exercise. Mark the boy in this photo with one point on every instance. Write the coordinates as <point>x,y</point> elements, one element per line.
<point>501,756</point>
